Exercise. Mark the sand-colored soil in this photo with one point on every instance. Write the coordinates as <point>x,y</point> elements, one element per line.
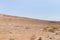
<point>21,28</point>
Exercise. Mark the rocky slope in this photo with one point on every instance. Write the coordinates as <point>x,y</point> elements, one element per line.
<point>21,28</point>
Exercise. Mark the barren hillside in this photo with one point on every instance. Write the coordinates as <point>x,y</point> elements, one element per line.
<point>21,28</point>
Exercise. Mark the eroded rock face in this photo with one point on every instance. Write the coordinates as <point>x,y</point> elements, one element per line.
<point>20,28</point>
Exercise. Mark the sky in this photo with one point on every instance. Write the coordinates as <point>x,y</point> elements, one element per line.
<point>38,9</point>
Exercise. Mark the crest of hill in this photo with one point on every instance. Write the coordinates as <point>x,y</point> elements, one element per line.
<point>24,20</point>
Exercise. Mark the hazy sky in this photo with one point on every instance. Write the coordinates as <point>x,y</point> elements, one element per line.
<point>42,9</point>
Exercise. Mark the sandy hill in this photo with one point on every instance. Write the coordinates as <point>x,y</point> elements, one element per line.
<point>21,28</point>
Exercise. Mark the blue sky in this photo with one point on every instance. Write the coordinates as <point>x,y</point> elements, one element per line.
<point>40,9</point>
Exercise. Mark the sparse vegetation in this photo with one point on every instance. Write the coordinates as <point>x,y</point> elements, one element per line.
<point>51,29</point>
<point>11,39</point>
<point>27,27</point>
